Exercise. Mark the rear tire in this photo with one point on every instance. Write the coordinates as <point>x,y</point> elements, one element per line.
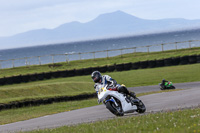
<point>113,109</point>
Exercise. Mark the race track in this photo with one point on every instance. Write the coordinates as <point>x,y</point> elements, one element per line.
<point>155,102</point>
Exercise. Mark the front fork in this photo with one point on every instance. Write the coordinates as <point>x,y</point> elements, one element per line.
<point>112,100</point>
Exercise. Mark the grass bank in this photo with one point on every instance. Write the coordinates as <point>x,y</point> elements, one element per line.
<point>133,57</point>
<point>83,84</point>
<point>179,121</point>
<point>14,115</point>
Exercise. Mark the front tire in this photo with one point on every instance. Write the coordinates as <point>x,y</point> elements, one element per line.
<point>113,109</point>
<point>141,107</point>
<point>173,87</point>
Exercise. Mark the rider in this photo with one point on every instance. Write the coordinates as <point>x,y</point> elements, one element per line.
<point>101,81</point>
<point>163,83</point>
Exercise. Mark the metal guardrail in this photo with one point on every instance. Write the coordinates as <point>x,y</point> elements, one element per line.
<point>187,44</point>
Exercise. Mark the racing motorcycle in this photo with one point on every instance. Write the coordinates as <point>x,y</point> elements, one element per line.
<point>167,85</point>
<point>118,103</point>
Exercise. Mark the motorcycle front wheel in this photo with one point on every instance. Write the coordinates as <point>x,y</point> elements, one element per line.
<point>141,107</point>
<point>114,109</point>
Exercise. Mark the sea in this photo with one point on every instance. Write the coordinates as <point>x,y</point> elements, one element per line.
<point>69,51</point>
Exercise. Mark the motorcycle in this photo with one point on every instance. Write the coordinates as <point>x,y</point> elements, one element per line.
<point>167,85</point>
<point>118,103</point>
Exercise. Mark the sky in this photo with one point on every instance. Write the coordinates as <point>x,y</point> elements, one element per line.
<point>17,16</point>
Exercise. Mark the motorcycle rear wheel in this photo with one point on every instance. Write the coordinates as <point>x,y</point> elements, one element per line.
<point>113,109</point>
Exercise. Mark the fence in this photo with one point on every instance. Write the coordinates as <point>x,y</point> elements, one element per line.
<point>67,57</point>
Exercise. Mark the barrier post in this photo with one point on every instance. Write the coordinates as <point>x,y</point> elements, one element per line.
<point>52,59</point>
<point>162,47</point>
<point>121,52</point>
<point>26,62</point>
<point>94,55</point>
<point>148,49</point>
<point>134,49</point>
<point>67,59</point>
<point>107,53</point>
<point>176,45</point>
<point>0,64</point>
<point>190,43</point>
<point>13,63</point>
<point>39,60</point>
<point>79,56</point>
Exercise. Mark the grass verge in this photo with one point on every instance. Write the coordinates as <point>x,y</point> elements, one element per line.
<point>83,84</point>
<point>14,115</point>
<point>172,121</point>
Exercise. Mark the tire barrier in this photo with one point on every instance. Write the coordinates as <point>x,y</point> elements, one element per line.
<point>152,64</point>
<point>192,59</point>
<point>184,60</point>
<point>144,64</point>
<point>160,63</point>
<point>79,72</point>
<point>40,76</point>
<point>168,62</point>
<point>103,69</point>
<point>87,71</point>
<point>176,60</point>
<point>111,68</point>
<point>71,73</point>
<point>119,67</point>
<point>136,65</point>
<point>36,102</point>
<point>198,58</point>
<point>48,75</point>
<point>127,66</point>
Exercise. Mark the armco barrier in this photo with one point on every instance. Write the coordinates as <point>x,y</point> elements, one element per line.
<point>35,102</point>
<point>116,67</point>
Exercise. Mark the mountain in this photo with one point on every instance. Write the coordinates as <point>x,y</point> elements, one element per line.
<point>113,24</point>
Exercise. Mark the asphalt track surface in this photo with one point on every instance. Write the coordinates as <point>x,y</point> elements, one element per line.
<point>188,97</point>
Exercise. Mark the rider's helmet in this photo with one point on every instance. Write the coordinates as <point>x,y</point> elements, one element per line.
<point>96,76</point>
<point>163,80</point>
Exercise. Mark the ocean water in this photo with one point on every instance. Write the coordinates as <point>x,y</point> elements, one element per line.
<point>45,51</point>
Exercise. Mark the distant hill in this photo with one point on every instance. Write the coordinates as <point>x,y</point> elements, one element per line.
<point>113,24</point>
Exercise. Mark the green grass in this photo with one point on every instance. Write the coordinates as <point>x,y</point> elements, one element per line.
<point>181,121</point>
<point>83,84</point>
<point>14,115</point>
<point>134,57</point>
